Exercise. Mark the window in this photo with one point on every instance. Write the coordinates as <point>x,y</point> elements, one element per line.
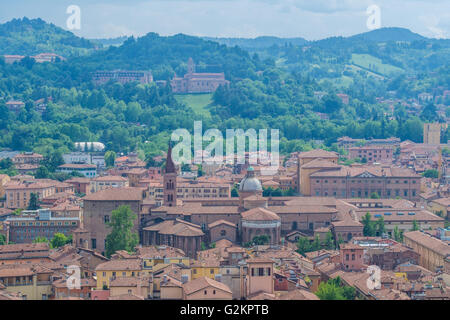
<point>223,233</point>
<point>106,219</point>
<point>261,272</point>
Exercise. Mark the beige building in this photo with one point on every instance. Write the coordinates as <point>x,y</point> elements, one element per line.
<point>303,172</point>
<point>260,276</point>
<point>138,286</point>
<point>206,289</point>
<point>18,193</point>
<point>4,179</point>
<point>433,252</point>
<point>106,182</point>
<point>432,133</point>
<point>32,282</point>
<point>440,207</point>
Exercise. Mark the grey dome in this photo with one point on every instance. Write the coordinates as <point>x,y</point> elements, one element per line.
<point>250,183</point>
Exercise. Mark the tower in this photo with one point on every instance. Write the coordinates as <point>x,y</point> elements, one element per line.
<point>170,181</point>
<point>190,66</point>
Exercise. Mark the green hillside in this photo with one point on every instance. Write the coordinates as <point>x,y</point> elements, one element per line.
<point>371,63</point>
<point>32,36</point>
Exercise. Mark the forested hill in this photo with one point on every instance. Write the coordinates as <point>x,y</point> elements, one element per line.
<point>388,34</point>
<point>33,36</point>
<point>168,55</point>
<point>259,42</point>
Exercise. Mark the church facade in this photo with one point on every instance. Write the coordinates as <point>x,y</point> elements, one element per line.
<point>194,82</point>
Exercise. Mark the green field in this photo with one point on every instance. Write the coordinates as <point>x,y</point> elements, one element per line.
<point>198,102</point>
<point>374,64</point>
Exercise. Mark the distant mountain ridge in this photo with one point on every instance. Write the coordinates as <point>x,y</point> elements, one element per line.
<point>389,34</point>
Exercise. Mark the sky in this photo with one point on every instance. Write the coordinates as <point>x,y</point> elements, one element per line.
<point>310,19</point>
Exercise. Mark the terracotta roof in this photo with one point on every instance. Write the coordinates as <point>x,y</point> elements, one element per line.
<point>220,222</point>
<point>25,247</point>
<point>126,297</point>
<point>429,242</point>
<point>259,214</point>
<point>120,264</point>
<point>159,252</point>
<point>116,194</point>
<point>320,163</point>
<point>202,283</point>
<point>318,153</point>
<point>111,178</point>
<point>129,281</point>
<point>298,294</point>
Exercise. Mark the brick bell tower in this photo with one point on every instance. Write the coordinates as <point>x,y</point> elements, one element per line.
<point>170,181</point>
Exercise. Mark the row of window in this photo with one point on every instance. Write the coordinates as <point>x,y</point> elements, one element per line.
<point>369,181</point>
<point>367,193</point>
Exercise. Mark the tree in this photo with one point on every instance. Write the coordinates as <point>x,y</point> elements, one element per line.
<point>2,239</point>
<point>431,173</point>
<point>303,245</point>
<point>398,235</point>
<point>110,158</point>
<point>60,239</point>
<point>369,229</point>
<point>261,240</point>
<point>42,173</point>
<point>380,227</point>
<point>329,242</point>
<point>41,240</point>
<point>415,226</point>
<point>122,236</point>
<point>374,195</point>
<point>316,245</point>
<point>234,193</point>
<point>33,204</point>
<point>334,289</point>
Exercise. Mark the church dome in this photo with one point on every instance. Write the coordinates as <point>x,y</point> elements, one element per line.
<point>250,183</point>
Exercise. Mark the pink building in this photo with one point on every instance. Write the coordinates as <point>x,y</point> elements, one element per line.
<point>352,257</point>
<point>371,154</point>
<point>260,276</point>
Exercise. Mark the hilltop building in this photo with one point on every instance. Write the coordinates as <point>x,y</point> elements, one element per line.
<point>193,82</point>
<point>122,76</point>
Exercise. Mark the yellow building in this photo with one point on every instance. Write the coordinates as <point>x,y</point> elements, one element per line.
<point>433,252</point>
<point>4,178</point>
<point>432,133</point>
<point>440,207</point>
<point>310,162</point>
<point>150,263</point>
<point>207,269</point>
<point>32,283</point>
<point>108,271</point>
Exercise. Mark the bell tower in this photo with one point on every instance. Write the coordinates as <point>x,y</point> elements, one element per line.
<point>170,181</point>
<point>190,66</point>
